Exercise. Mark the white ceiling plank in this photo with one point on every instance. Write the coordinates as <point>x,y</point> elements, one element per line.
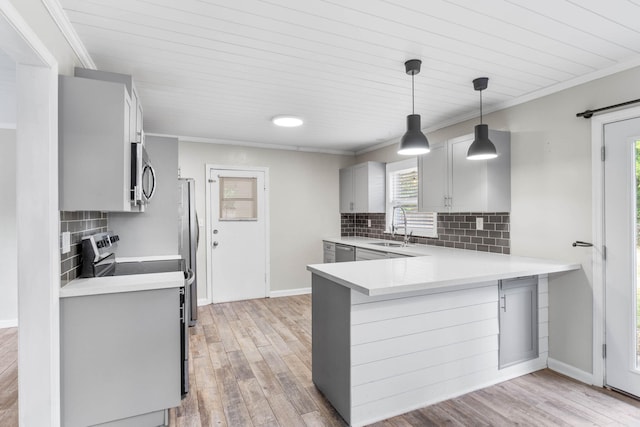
<point>513,15</point>
<point>497,27</point>
<point>574,16</point>
<point>220,70</point>
<point>464,51</point>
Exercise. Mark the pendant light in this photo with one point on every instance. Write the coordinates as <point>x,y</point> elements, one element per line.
<point>482,147</point>
<point>414,142</point>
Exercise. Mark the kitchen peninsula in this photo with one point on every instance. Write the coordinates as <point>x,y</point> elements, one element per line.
<point>393,335</point>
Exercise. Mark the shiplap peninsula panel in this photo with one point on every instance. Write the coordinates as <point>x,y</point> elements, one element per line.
<point>410,350</point>
<point>393,366</point>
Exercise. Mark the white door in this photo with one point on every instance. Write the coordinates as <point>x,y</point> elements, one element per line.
<point>238,234</point>
<point>622,144</point>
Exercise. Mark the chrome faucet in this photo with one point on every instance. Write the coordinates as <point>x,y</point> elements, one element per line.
<point>394,227</point>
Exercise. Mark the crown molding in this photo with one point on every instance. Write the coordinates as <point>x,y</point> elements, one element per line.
<point>61,19</point>
<point>251,144</point>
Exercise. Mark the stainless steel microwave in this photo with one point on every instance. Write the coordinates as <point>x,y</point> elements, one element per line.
<point>143,176</point>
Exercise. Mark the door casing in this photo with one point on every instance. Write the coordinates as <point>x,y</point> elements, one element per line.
<point>209,233</point>
<point>598,262</point>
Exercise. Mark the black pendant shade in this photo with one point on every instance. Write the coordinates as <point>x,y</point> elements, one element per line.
<point>482,148</point>
<point>413,142</point>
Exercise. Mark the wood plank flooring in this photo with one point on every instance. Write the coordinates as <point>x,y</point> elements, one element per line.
<point>9,377</point>
<point>251,366</point>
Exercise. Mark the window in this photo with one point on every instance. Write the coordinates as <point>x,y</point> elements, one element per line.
<point>238,199</point>
<point>402,191</point>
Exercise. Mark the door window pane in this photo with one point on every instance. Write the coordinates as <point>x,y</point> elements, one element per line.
<point>238,199</point>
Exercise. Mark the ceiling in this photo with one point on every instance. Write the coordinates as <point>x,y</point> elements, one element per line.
<point>220,70</point>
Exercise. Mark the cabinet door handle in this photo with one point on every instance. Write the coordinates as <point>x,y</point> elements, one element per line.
<point>504,303</point>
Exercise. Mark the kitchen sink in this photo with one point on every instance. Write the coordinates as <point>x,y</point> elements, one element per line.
<point>388,244</point>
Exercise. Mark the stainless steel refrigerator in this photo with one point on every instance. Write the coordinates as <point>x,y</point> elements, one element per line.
<point>189,237</point>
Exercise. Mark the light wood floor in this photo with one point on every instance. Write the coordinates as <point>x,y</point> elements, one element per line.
<point>251,366</point>
<point>9,377</point>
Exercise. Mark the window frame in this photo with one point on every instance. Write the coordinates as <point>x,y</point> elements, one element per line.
<point>394,167</point>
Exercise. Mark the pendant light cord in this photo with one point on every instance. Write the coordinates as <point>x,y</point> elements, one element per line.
<point>413,96</point>
<point>480,107</point>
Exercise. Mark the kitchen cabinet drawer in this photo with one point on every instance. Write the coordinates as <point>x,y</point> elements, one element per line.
<point>367,254</point>
<point>451,183</point>
<point>393,255</point>
<point>518,317</point>
<point>94,145</point>
<point>362,188</point>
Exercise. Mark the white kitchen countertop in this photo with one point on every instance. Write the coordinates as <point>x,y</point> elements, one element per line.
<point>115,284</point>
<point>429,268</point>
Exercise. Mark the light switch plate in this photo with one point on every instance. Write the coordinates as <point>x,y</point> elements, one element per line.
<point>479,223</point>
<point>66,242</point>
<point>369,223</point>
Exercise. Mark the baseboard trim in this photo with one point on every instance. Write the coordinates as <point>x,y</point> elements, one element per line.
<point>10,323</point>
<point>203,301</point>
<point>570,371</point>
<point>289,292</point>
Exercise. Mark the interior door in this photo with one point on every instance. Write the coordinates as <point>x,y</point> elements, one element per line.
<point>238,235</point>
<point>621,170</point>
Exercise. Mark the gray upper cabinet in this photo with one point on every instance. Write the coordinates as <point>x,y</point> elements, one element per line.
<point>451,183</point>
<point>136,116</point>
<point>362,188</point>
<point>94,145</point>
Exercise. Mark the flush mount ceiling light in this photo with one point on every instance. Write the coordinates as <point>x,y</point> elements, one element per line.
<point>482,147</point>
<point>413,142</point>
<point>287,121</point>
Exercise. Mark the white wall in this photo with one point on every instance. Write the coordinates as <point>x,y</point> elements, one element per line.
<point>153,232</point>
<point>8,233</point>
<point>7,91</point>
<point>37,207</point>
<point>303,203</point>
<point>551,196</point>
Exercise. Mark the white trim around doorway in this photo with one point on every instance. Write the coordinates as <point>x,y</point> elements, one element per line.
<point>209,297</point>
<point>597,185</point>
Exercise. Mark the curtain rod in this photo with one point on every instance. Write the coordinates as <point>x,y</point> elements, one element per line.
<point>587,114</point>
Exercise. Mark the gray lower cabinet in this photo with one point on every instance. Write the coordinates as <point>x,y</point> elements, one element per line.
<point>518,320</point>
<point>340,253</point>
<point>120,357</point>
<point>328,252</point>
<point>367,254</point>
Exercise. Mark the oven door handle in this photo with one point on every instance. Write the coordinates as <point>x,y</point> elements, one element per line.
<point>191,276</point>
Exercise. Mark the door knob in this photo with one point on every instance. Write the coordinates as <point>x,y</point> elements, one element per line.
<point>215,244</point>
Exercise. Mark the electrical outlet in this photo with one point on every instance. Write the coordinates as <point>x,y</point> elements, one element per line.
<point>479,223</point>
<point>369,223</point>
<point>66,242</point>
